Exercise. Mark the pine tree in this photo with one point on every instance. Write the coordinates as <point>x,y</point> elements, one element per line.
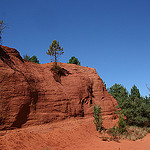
<point>74,60</point>
<point>55,50</point>
<point>34,59</point>
<point>134,107</point>
<point>122,126</point>
<point>26,57</point>
<point>120,93</point>
<point>134,93</point>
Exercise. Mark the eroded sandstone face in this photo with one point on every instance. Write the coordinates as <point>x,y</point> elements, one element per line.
<point>30,95</point>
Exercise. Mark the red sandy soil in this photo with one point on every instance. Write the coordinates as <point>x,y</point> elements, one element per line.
<point>69,134</point>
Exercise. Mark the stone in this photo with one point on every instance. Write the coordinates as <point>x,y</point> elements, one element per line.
<point>30,95</point>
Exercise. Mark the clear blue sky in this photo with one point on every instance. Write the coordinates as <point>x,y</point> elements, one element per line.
<point>112,36</point>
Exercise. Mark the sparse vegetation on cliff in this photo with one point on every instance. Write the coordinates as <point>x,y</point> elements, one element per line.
<point>98,118</point>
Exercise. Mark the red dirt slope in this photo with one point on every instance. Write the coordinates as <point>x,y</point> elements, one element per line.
<point>70,134</point>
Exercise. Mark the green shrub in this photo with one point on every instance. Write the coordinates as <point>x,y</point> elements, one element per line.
<point>74,60</point>
<point>113,132</point>
<point>117,131</point>
<point>98,118</point>
<point>122,126</point>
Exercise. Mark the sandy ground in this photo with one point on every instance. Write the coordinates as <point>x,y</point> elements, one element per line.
<point>69,134</point>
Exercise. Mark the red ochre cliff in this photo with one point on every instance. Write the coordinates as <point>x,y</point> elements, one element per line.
<point>29,94</point>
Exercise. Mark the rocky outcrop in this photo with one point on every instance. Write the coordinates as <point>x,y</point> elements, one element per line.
<point>30,95</point>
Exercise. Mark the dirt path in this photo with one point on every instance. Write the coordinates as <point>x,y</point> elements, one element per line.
<point>69,134</point>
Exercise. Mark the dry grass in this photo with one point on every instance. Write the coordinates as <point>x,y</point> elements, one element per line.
<point>148,130</point>
<point>134,133</point>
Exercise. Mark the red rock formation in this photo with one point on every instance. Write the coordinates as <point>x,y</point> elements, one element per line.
<point>29,94</point>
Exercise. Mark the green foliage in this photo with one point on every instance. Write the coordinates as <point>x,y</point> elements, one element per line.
<point>122,126</point>
<point>74,60</point>
<point>55,50</point>
<point>134,93</point>
<point>26,57</point>
<point>113,132</point>
<point>133,106</point>
<point>120,93</point>
<point>32,59</point>
<point>137,112</point>
<point>116,131</point>
<point>138,109</point>
<point>2,27</point>
<point>98,118</point>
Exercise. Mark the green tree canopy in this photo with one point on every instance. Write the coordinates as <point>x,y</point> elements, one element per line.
<point>133,106</point>
<point>26,57</point>
<point>55,50</point>
<point>119,92</point>
<point>74,60</point>
<point>134,93</point>
<point>32,59</point>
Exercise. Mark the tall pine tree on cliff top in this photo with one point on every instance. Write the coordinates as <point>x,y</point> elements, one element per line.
<point>55,50</point>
